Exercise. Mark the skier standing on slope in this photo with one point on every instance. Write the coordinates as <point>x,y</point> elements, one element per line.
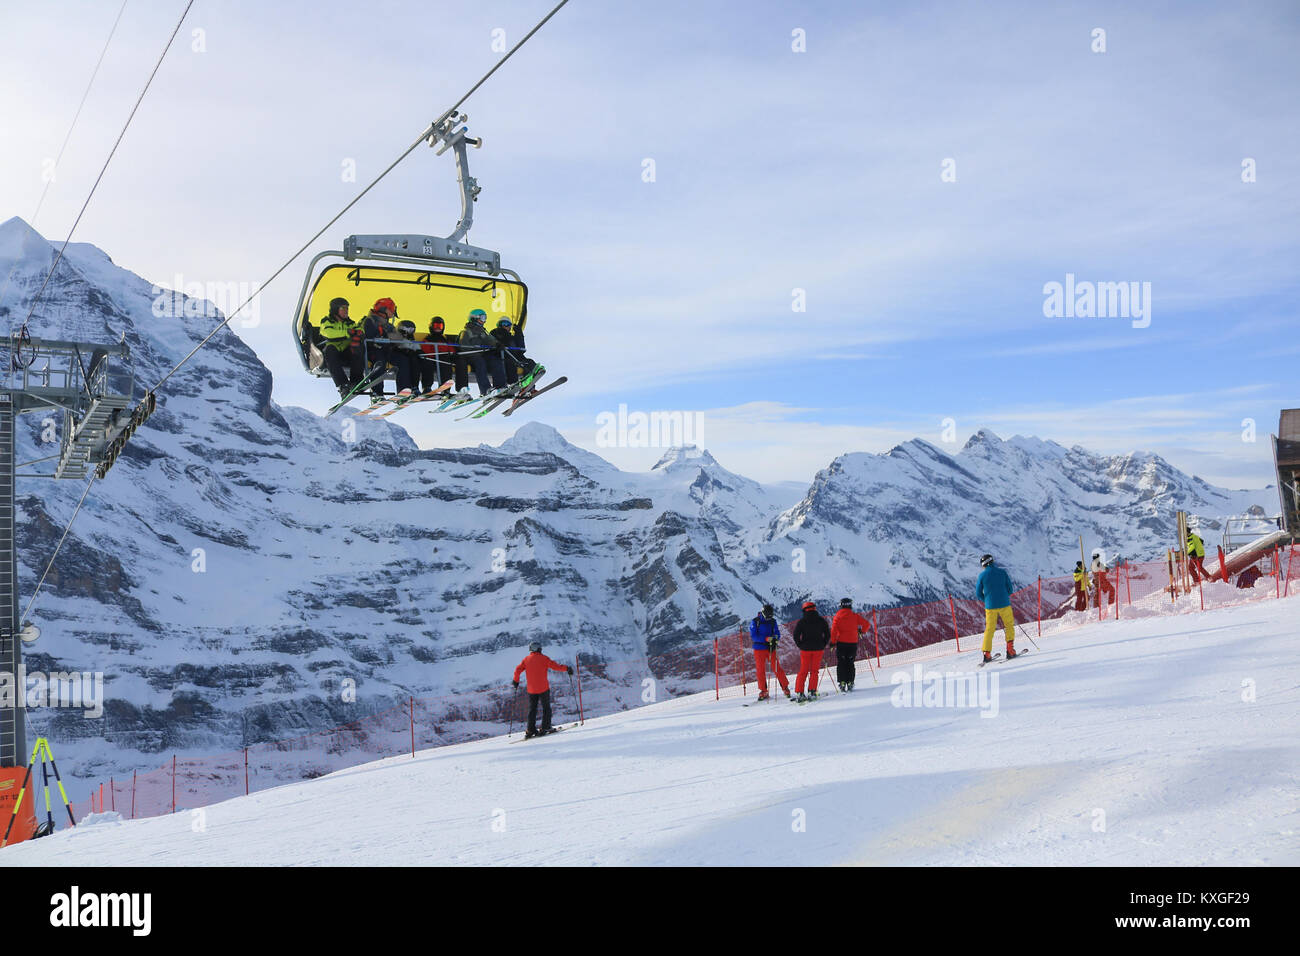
<point>764,632</point>
<point>1099,572</point>
<point>539,687</point>
<point>1196,556</point>
<point>811,635</point>
<point>846,627</point>
<point>1080,586</point>
<point>994,589</point>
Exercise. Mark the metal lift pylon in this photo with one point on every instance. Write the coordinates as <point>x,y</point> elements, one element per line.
<point>87,388</point>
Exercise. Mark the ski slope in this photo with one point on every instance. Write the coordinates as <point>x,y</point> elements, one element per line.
<point>1121,743</point>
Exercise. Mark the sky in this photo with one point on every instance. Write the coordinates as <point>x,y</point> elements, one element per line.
<point>855,214</point>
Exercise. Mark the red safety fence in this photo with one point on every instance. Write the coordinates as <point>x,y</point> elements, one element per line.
<point>1044,607</point>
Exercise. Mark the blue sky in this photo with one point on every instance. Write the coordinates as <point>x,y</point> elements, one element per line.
<point>775,171</point>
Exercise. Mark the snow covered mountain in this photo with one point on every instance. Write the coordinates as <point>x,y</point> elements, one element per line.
<point>245,563</point>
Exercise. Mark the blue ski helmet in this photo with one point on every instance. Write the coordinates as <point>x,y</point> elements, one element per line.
<point>478,316</point>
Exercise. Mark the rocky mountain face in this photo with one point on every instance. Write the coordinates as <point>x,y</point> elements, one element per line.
<point>243,563</point>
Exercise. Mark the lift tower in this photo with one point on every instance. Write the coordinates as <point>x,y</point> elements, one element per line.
<point>86,389</point>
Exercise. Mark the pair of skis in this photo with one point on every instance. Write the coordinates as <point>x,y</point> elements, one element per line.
<point>517,395</point>
<point>998,656</point>
<point>553,730</point>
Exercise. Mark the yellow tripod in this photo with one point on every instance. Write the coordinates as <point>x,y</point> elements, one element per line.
<point>42,750</point>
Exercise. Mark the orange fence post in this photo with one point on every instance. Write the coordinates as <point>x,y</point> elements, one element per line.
<point>1290,556</point>
<point>132,794</point>
<point>173,783</point>
<point>1223,565</point>
<point>952,607</point>
<point>577,669</point>
<point>112,795</point>
<point>1277,570</point>
<point>1040,605</point>
<point>1200,589</point>
<point>744,683</point>
<point>1128,582</point>
<point>875,627</point>
<point>717,688</point>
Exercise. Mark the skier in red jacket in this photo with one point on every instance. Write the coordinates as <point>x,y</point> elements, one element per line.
<point>539,687</point>
<point>846,626</point>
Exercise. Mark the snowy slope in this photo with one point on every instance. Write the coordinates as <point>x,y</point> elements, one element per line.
<point>1124,743</point>
<point>243,559</point>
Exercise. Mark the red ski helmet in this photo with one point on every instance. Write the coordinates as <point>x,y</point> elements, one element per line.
<point>809,606</point>
<point>386,305</point>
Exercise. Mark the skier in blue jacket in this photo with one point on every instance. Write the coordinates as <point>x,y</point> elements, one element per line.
<point>994,589</point>
<point>764,632</point>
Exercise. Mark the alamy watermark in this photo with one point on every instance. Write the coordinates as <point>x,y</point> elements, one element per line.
<point>210,300</point>
<point>921,688</point>
<point>1099,300</point>
<point>83,690</point>
<point>624,429</point>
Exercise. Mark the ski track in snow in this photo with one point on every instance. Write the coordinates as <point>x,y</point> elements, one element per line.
<point>1143,721</point>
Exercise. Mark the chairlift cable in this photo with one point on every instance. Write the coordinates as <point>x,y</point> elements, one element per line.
<point>429,131</point>
<point>50,564</point>
<point>67,137</point>
<point>104,168</point>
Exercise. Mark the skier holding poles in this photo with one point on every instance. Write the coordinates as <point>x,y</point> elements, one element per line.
<point>764,632</point>
<point>994,589</point>
<point>539,687</point>
<point>846,627</point>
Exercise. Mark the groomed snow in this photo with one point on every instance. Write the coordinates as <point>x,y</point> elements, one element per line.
<point>1167,740</point>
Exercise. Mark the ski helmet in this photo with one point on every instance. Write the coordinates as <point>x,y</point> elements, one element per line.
<point>335,305</point>
<point>768,611</point>
<point>846,602</point>
<point>504,323</point>
<point>535,647</point>
<point>386,305</point>
<point>407,328</point>
<point>478,316</point>
<point>436,324</point>
<point>986,560</point>
<point>809,606</point>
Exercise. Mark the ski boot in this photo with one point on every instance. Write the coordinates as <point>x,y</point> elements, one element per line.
<point>848,688</point>
<point>762,695</point>
<point>787,694</point>
<point>528,734</point>
<point>988,656</point>
<point>1011,651</point>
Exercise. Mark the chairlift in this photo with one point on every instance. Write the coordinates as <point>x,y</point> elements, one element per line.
<point>426,276</point>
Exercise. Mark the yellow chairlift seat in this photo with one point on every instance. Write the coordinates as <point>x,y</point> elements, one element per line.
<point>420,294</point>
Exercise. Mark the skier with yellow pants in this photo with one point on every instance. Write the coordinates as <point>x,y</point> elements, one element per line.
<point>994,589</point>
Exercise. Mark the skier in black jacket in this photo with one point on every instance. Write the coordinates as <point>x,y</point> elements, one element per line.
<point>811,635</point>
<point>512,355</point>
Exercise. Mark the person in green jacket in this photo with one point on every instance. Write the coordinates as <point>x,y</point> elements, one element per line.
<point>342,353</point>
<point>1196,556</point>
